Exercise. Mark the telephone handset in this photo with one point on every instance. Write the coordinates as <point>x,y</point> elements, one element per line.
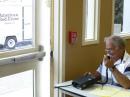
<point>106,74</point>
<point>108,56</point>
<point>85,81</point>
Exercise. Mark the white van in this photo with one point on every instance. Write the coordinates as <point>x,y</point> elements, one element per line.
<point>14,27</point>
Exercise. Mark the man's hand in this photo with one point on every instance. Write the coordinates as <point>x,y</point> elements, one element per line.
<point>109,63</point>
<point>95,74</point>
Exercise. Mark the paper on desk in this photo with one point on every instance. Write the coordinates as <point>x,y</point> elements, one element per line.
<point>122,94</point>
<point>106,91</point>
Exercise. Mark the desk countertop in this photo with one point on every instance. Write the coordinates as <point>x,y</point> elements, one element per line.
<point>94,91</point>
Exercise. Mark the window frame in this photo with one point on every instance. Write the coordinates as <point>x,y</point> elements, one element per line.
<point>124,35</point>
<point>34,47</point>
<point>96,23</point>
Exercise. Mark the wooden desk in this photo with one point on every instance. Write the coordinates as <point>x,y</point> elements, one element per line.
<point>93,91</point>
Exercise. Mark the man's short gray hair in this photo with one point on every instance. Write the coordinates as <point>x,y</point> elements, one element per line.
<point>116,40</point>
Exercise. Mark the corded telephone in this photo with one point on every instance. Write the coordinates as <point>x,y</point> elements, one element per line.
<point>85,81</point>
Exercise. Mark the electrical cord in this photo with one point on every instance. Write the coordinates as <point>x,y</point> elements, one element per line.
<point>103,83</point>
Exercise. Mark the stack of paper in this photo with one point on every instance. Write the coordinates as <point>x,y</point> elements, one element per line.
<point>109,91</point>
<point>122,93</point>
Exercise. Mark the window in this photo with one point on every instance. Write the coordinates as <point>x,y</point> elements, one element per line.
<point>17,85</point>
<point>16,24</point>
<point>90,21</point>
<point>121,18</point>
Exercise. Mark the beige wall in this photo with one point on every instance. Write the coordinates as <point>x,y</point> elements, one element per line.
<point>80,59</point>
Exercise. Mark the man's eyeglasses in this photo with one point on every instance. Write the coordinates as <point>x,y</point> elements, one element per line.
<point>109,49</point>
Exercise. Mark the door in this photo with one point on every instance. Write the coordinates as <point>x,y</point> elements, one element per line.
<point>19,49</point>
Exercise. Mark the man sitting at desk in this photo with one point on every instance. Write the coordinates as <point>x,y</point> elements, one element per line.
<point>117,60</point>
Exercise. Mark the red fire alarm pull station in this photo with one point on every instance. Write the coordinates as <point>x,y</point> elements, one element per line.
<point>72,37</point>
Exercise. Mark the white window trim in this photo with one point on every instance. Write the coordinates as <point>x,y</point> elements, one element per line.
<point>96,23</point>
<point>123,35</point>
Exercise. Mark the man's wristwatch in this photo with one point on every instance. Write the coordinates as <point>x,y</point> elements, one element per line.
<point>112,68</point>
